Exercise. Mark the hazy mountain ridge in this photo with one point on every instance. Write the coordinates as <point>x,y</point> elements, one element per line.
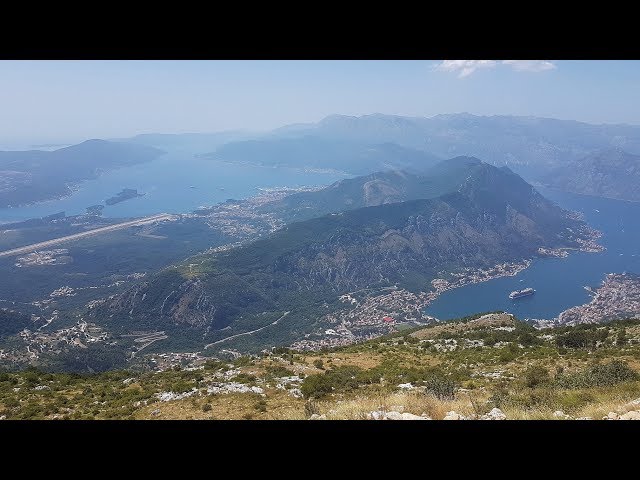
<point>188,142</point>
<point>310,151</point>
<point>454,175</point>
<point>35,175</point>
<point>611,173</point>
<point>531,144</point>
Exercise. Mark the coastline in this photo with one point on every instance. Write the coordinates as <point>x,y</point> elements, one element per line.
<point>307,169</point>
<point>366,320</point>
<point>618,296</point>
<point>588,245</point>
<point>368,315</point>
<point>506,269</point>
<point>550,187</point>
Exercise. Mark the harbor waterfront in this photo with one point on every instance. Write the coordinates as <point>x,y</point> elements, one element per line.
<point>559,282</point>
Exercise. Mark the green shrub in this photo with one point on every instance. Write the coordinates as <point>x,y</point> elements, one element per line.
<point>528,340</point>
<point>581,338</point>
<point>339,379</point>
<point>181,386</point>
<point>215,365</point>
<point>440,387</point>
<point>11,402</point>
<point>535,376</point>
<point>508,353</point>
<point>603,375</point>
<point>279,371</point>
<point>574,400</point>
<point>315,386</point>
<point>245,378</point>
<point>318,364</point>
<point>242,361</point>
<point>499,396</point>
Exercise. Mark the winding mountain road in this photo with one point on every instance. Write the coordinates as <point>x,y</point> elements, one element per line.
<point>247,333</point>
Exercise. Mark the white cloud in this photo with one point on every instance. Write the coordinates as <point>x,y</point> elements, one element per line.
<point>530,65</point>
<point>464,68</point>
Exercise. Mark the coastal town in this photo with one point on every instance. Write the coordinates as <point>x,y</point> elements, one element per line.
<point>617,297</point>
<point>372,313</point>
<point>246,219</point>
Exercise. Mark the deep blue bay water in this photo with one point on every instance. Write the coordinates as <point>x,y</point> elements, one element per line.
<point>166,183</point>
<point>559,282</point>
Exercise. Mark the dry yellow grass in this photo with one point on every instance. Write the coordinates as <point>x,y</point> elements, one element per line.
<point>487,379</point>
<point>281,406</point>
<point>359,359</point>
<point>490,320</point>
<point>233,406</point>
<point>360,406</point>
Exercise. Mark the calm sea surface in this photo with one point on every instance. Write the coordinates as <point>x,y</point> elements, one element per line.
<point>559,282</point>
<point>167,184</point>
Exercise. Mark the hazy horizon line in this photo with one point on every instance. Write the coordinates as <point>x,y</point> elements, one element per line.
<point>34,144</point>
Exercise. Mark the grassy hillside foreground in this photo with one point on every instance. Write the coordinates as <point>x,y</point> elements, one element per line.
<point>489,366</point>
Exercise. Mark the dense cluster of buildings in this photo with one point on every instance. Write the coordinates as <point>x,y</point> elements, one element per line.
<point>37,342</point>
<point>618,297</point>
<point>377,313</point>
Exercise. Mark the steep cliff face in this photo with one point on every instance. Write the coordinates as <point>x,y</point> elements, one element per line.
<point>494,217</point>
<point>610,173</point>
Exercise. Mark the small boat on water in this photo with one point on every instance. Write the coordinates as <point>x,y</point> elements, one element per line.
<point>522,293</point>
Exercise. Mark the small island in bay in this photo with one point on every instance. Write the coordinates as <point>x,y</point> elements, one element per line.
<point>95,209</point>
<point>125,194</point>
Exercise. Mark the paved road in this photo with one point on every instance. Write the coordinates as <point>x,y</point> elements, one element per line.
<point>118,226</point>
<point>247,333</point>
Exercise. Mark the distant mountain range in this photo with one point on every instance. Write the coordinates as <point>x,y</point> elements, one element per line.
<point>482,216</point>
<point>35,175</point>
<point>316,152</point>
<point>194,143</point>
<point>530,146</point>
<point>611,173</point>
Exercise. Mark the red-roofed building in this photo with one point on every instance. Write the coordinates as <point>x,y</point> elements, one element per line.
<point>387,319</point>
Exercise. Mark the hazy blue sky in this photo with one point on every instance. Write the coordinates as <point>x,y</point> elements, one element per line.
<point>66,101</point>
